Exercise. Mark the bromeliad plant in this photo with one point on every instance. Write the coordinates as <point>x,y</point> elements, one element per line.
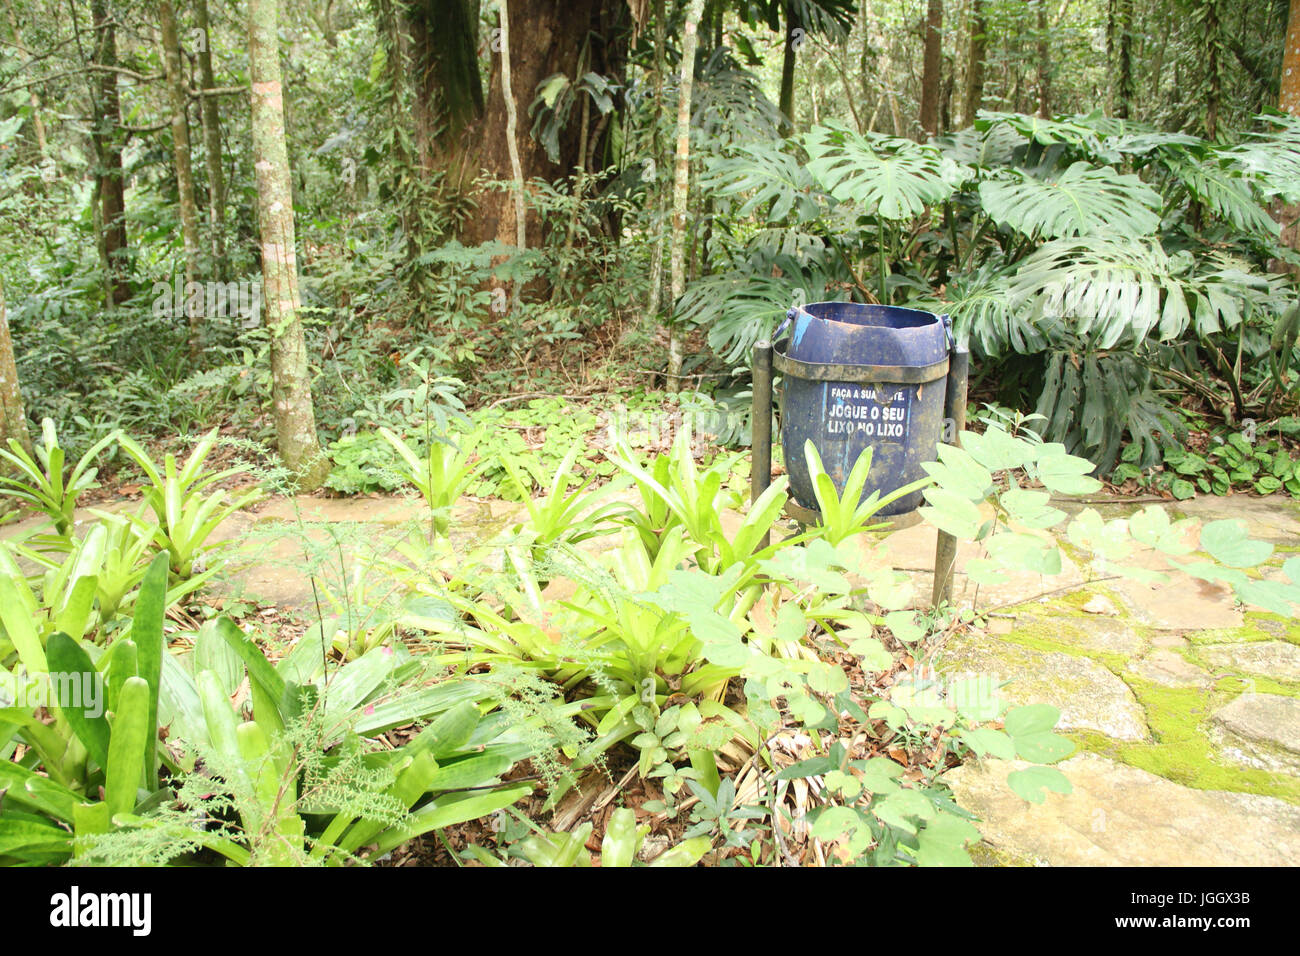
<point>184,517</point>
<point>82,751</point>
<point>39,481</point>
<point>442,475</point>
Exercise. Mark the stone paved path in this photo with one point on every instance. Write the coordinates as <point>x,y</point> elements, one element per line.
<point>1185,709</point>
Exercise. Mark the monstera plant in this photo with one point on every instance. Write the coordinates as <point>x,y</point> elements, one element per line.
<point>1119,258</point>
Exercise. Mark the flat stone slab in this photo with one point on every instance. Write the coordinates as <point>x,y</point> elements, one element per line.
<point>1122,816</point>
<point>1090,633</point>
<point>1275,518</point>
<point>1169,669</point>
<point>1088,695</point>
<point>1182,603</point>
<point>1262,730</point>
<point>1276,659</point>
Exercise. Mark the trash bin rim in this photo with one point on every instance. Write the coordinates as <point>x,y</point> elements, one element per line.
<point>857,374</point>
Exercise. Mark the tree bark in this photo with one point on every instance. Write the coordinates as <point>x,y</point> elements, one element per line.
<point>1124,29</point>
<point>106,137</point>
<point>1289,97</point>
<point>13,419</point>
<point>178,91</point>
<point>291,402</point>
<point>211,117</point>
<point>512,132</point>
<point>792,42</point>
<point>681,183</point>
<point>474,141</point>
<point>930,80</point>
<point>656,155</point>
<point>975,57</point>
<point>1214,78</point>
<point>1289,102</point>
<point>1044,64</point>
<point>37,123</point>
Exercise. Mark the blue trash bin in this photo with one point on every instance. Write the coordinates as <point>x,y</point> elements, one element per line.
<point>861,376</point>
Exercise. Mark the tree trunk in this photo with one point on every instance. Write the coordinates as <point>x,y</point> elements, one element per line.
<point>13,420</point>
<point>1214,78</point>
<point>975,62</point>
<point>793,41</point>
<point>681,184</point>
<point>930,80</point>
<point>37,123</point>
<point>1289,98</point>
<point>1289,101</point>
<point>295,418</point>
<point>178,89</point>
<point>212,147</point>
<point>548,39</point>
<point>1044,64</point>
<point>106,137</point>
<point>1124,29</point>
<point>512,131</point>
<point>656,156</point>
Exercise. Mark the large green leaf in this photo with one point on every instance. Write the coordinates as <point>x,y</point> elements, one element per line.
<point>890,177</point>
<point>767,178</point>
<point>1079,201</point>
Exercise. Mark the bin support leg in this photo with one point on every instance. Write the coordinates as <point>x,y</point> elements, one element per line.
<point>760,472</point>
<point>954,413</point>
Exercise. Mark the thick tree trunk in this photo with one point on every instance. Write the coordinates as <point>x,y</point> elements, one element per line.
<point>681,183</point>
<point>178,91</point>
<point>106,136</point>
<point>975,62</point>
<point>1289,98</point>
<point>1044,64</point>
<point>295,418</point>
<point>548,39</point>
<point>931,63</point>
<point>211,117</point>
<point>512,131</point>
<point>13,419</point>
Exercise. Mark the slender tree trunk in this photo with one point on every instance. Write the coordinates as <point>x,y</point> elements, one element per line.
<point>681,183</point>
<point>107,140</point>
<point>211,117</point>
<point>1289,101</point>
<point>13,419</point>
<point>1214,78</point>
<point>37,123</point>
<point>178,89</point>
<point>1044,64</point>
<point>793,40</point>
<point>295,418</point>
<point>932,63</point>
<point>1124,31</point>
<point>975,62</point>
<point>656,156</point>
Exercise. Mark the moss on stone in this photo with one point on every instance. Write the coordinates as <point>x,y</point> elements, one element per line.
<point>1180,749</point>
